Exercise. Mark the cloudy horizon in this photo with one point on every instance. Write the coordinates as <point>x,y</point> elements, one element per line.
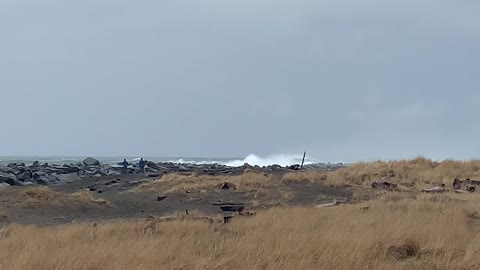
<point>344,81</point>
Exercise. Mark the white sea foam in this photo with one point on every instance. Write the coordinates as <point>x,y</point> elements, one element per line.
<point>282,160</point>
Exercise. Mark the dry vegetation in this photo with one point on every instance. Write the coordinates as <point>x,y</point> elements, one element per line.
<point>418,172</point>
<point>44,195</point>
<point>172,183</point>
<point>397,232</point>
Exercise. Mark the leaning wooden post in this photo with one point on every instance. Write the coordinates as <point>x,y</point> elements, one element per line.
<point>303,160</point>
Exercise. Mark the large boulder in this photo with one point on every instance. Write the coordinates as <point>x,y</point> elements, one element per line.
<point>43,179</point>
<point>68,178</point>
<point>5,169</point>
<point>24,176</point>
<point>152,165</point>
<point>91,162</point>
<point>8,178</point>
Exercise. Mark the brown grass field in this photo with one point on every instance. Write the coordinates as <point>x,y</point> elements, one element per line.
<point>412,173</point>
<point>395,230</point>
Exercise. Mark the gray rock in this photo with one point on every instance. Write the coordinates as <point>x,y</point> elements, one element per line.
<point>91,162</point>
<point>152,165</point>
<point>184,168</point>
<point>36,164</point>
<point>12,165</point>
<point>8,178</point>
<point>113,173</point>
<point>45,179</point>
<point>4,185</point>
<point>5,169</point>
<point>68,178</point>
<point>150,170</point>
<point>26,183</point>
<point>24,176</point>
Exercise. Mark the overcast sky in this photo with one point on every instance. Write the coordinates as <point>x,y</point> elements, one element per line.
<point>345,80</point>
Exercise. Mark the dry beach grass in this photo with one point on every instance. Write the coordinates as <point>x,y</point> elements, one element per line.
<point>170,183</point>
<point>397,232</point>
<point>417,172</point>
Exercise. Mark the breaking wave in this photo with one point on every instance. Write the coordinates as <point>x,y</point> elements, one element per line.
<point>282,160</point>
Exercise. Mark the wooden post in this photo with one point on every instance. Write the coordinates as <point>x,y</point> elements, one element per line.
<point>303,160</point>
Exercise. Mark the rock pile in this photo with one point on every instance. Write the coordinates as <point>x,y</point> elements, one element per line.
<point>52,174</point>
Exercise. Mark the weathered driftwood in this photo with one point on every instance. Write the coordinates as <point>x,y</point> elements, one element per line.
<point>435,189</point>
<point>334,203</point>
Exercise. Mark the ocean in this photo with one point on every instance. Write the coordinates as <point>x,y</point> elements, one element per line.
<point>283,160</point>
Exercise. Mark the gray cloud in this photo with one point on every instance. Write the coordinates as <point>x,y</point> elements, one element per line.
<point>345,80</point>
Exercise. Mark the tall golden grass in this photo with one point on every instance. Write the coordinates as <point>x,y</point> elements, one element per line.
<point>171,183</point>
<point>397,232</point>
<point>415,172</point>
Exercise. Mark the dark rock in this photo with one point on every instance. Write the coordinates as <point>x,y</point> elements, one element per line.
<point>12,165</point>
<point>8,178</point>
<point>73,168</point>
<point>36,164</point>
<point>152,165</point>
<point>232,208</point>
<point>24,176</point>
<point>91,162</point>
<point>295,167</point>
<point>45,179</point>
<point>161,198</point>
<point>100,191</point>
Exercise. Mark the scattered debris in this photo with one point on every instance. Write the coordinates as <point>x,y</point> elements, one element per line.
<point>227,219</point>
<point>403,252</point>
<point>364,209</point>
<point>232,208</point>
<point>470,188</point>
<point>247,214</point>
<point>227,185</point>
<point>161,198</point>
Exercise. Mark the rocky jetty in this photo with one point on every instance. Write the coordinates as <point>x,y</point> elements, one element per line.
<point>52,174</point>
